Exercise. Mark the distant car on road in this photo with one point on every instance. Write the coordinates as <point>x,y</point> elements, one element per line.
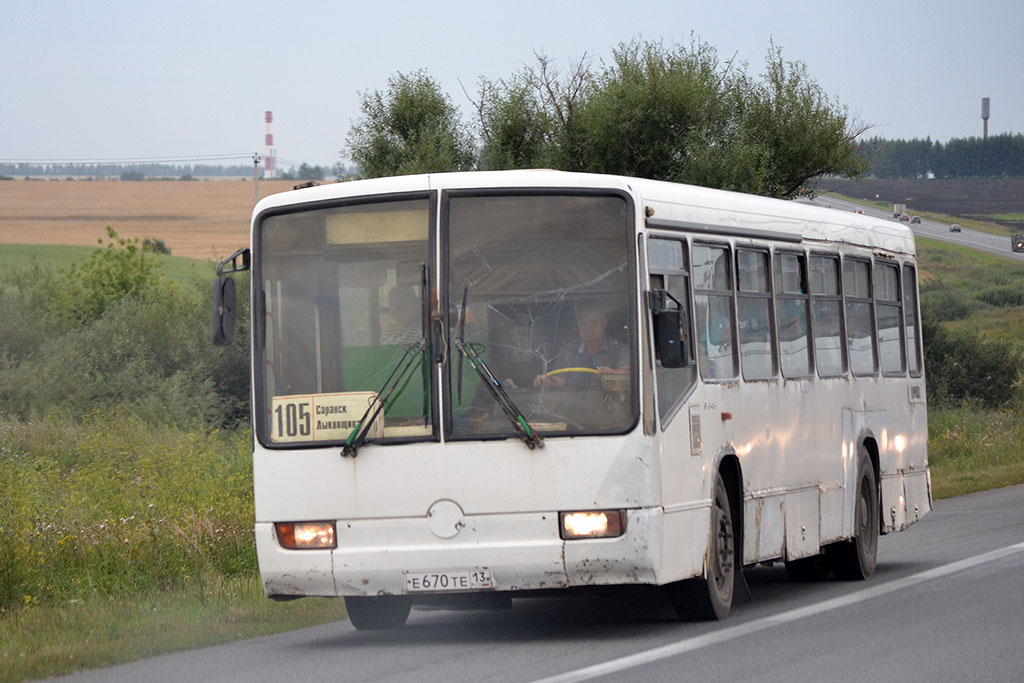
<point>915,219</point>
<point>905,217</point>
<point>860,210</point>
<point>1017,242</point>
<point>955,227</point>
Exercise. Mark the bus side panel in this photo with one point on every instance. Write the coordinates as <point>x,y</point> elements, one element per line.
<point>802,515</point>
<point>685,543</point>
<point>832,500</point>
<point>764,535</point>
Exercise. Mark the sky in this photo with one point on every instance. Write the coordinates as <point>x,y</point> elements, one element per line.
<point>119,80</point>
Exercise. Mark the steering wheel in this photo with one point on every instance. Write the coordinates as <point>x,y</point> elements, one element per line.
<point>552,373</point>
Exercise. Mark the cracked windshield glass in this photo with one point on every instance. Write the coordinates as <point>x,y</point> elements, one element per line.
<point>539,292</point>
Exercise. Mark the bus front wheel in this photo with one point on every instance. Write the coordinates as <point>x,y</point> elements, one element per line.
<point>854,560</point>
<point>377,613</point>
<point>710,597</point>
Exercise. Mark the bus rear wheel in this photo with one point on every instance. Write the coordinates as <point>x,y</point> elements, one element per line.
<point>854,560</point>
<point>377,613</point>
<point>710,597</point>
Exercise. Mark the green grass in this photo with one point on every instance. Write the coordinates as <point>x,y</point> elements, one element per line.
<point>25,255</point>
<point>973,448</point>
<point>54,639</point>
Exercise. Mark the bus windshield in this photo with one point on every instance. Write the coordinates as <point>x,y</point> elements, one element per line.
<point>540,288</point>
<point>342,323</point>
<point>536,333</point>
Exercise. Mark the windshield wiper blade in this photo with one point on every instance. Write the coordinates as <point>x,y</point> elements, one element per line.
<point>462,336</point>
<point>522,428</point>
<point>396,381</point>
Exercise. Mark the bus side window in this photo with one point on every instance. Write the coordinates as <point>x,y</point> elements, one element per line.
<point>669,271</point>
<point>753,284</point>
<point>910,321</point>
<point>827,315</point>
<point>713,305</point>
<point>859,318</point>
<point>791,309</point>
<point>889,309</point>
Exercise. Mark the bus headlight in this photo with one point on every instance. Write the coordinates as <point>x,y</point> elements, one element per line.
<point>306,535</point>
<point>592,524</point>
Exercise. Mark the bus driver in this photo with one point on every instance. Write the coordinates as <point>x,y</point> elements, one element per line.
<point>592,351</point>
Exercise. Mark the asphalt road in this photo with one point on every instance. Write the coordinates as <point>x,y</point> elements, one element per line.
<point>994,244</point>
<point>945,604</point>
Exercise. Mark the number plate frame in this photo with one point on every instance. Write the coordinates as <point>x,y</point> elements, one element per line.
<point>449,581</point>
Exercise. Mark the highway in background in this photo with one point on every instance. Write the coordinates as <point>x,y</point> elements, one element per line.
<point>945,604</point>
<point>994,244</point>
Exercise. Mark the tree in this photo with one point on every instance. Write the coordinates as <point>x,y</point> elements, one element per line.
<point>514,127</point>
<point>674,114</point>
<point>413,127</point>
<point>654,112</point>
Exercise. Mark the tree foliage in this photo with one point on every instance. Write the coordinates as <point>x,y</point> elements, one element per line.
<point>668,113</point>
<point>513,124</point>
<point>413,127</point>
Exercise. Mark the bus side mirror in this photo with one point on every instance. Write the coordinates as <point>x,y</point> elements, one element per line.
<point>669,329</point>
<point>224,298</point>
<point>224,301</point>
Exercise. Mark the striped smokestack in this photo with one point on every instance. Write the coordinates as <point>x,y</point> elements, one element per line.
<point>270,159</point>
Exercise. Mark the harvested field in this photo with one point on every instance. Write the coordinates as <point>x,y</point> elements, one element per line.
<point>984,199</point>
<point>195,219</point>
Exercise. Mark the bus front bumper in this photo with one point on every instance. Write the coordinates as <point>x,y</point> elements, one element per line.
<point>498,552</point>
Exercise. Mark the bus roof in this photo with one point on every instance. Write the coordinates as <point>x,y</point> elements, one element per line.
<point>673,206</point>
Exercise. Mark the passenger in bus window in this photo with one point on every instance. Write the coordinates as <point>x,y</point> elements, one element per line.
<point>404,307</point>
<point>581,362</point>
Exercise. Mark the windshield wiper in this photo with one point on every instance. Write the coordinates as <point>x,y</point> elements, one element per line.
<point>396,382</point>
<point>522,428</point>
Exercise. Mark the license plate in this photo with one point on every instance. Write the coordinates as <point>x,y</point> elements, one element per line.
<point>460,580</point>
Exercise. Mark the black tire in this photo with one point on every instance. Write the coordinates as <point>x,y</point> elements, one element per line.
<point>377,613</point>
<point>854,560</point>
<point>809,569</point>
<point>709,598</point>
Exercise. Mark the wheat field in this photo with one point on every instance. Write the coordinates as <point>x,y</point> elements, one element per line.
<point>195,219</point>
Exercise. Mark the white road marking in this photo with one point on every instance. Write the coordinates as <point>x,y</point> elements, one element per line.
<point>691,644</point>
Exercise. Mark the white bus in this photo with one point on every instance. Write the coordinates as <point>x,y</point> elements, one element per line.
<point>471,387</point>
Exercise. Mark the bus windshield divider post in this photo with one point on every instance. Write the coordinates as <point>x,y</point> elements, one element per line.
<point>386,395</point>
<point>522,428</point>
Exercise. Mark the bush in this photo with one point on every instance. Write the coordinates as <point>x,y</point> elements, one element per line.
<point>108,504</point>
<point>139,342</point>
<point>963,365</point>
<point>155,246</point>
<point>948,303</point>
<point>1002,296</point>
<point>122,269</point>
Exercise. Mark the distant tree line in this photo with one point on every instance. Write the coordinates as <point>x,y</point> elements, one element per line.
<point>143,171</point>
<point>129,170</point>
<point>305,172</point>
<point>669,113</point>
<point>999,156</point>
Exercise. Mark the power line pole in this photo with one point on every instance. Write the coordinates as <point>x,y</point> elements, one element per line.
<point>256,158</point>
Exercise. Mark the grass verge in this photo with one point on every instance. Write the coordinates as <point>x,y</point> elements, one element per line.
<point>974,448</point>
<point>55,639</point>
